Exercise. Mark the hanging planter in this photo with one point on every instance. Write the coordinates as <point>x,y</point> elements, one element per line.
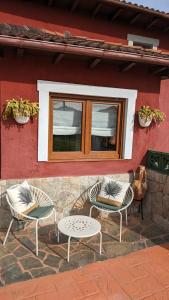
<point>144,122</point>
<point>21,119</point>
<point>21,110</point>
<point>147,116</point>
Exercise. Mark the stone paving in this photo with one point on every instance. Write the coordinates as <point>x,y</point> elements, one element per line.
<point>19,263</point>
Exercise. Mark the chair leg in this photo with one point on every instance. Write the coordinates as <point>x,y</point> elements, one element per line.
<point>9,228</point>
<point>68,249</point>
<point>58,236</point>
<point>141,209</point>
<point>100,242</point>
<point>126,217</point>
<point>90,213</point>
<point>55,223</point>
<point>37,238</point>
<point>120,224</point>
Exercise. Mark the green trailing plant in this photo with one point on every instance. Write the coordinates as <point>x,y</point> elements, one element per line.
<point>158,116</point>
<point>20,107</point>
<point>145,112</point>
<point>148,113</point>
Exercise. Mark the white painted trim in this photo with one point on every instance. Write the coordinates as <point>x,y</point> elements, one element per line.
<point>45,87</point>
<point>143,40</point>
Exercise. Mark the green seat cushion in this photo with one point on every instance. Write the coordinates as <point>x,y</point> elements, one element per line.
<point>106,206</point>
<point>41,212</point>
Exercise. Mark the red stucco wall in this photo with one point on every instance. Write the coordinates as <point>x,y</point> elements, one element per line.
<point>23,12</point>
<point>19,77</point>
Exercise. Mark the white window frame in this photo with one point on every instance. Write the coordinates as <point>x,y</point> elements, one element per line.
<point>142,40</point>
<point>46,87</point>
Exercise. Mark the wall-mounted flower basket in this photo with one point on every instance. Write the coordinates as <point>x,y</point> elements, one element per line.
<point>144,122</point>
<point>21,110</point>
<point>22,119</point>
<point>148,116</point>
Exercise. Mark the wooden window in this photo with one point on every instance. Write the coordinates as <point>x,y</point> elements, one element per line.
<point>85,128</point>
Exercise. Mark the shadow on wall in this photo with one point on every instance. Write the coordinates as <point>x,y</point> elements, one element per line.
<point>5,213</point>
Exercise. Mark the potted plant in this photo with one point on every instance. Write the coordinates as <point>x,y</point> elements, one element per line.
<point>158,116</point>
<point>20,109</point>
<point>145,116</point>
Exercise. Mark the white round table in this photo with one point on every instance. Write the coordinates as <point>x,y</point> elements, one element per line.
<point>79,226</point>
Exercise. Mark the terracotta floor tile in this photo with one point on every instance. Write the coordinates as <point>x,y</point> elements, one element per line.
<point>88,288</point>
<point>31,288</point>
<point>52,296</point>
<point>136,258</point>
<point>163,278</point>
<point>68,287</point>
<point>120,274</point>
<point>111,288</point>
<point>138,271</point>
<point>30,298</point>
<point>163,295</point>
<point>5,294</point>
<point>142,287</point>
<point>153,268</point>
<point>95,271</point>
<point>94,297</point>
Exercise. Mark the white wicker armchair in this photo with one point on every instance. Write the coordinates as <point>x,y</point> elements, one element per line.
<point>94,191</point>
<point>44,210</point>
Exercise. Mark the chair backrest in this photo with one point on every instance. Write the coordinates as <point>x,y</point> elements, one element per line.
<point>94,191</point>
<point>41,198</point>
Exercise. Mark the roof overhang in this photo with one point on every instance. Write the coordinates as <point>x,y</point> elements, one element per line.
<point>119,55</point>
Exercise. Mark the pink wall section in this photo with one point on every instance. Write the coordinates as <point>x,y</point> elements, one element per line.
<point>19,75</point>
<point>159,139</point>
<point>19,144</point>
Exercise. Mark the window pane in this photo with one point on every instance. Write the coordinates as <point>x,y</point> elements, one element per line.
<point>143,45</point>
<point>104,125</point>
<point>67,120</point>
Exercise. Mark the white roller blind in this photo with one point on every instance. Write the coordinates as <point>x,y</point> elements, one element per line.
<point>68,122</point>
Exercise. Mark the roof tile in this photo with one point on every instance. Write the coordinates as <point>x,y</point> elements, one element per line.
<point>25,32</point>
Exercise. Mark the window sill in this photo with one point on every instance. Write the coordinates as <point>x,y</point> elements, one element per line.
<point>85,160</point>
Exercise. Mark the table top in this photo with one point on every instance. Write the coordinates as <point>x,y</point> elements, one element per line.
<point>79,226</point>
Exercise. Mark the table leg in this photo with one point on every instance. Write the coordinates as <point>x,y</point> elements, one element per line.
<point>58,236</point>
<point>100,242</point>
<point>68,249</point>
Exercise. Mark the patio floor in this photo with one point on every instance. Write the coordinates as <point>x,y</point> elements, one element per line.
<point>18,261</point>
<point>140,275</point>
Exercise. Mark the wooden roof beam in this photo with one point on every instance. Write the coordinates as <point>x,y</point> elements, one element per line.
<point>152,23</point>
<point>135,18</point>
<point>20,52</point>
<point>57,58</point>
<point>166,29</point>
<point>1,53</point>
<point>164,77</point>
<point>96,9</point>
<point>75,4</point>
<point>116,14</point>
<point>94,63</point>
<point>50,2</point>
<point>127,67</point>
<point>159,70</point>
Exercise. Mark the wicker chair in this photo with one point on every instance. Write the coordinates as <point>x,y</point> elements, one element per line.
<point>94,191</point>
<point>44,210</point>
